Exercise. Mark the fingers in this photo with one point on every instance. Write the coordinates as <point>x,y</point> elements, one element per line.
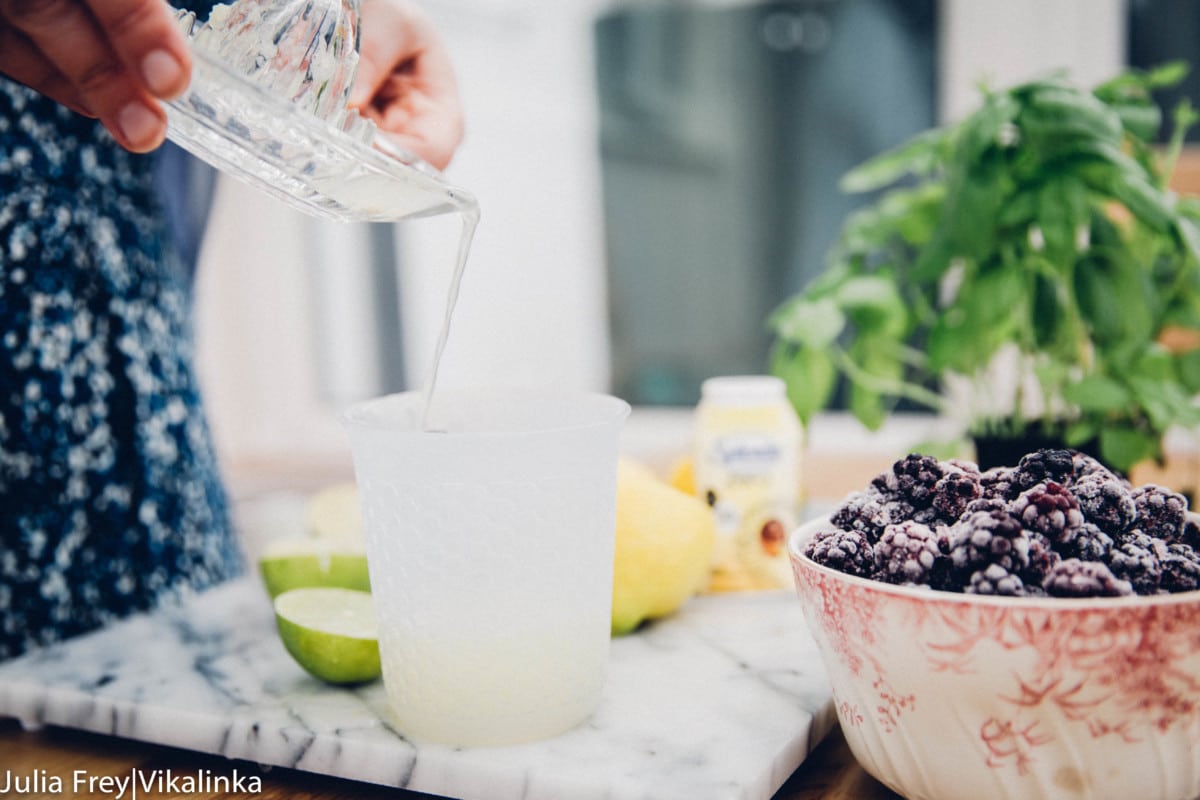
<point>25,64</point>
<point>406,82</point>
<point>148,41</point>
<point>392,35</point>
<point>419,122</point>
<point>118,55</point>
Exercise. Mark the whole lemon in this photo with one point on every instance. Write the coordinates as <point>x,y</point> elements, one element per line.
<point>664,545</point>
<point>683,475</point>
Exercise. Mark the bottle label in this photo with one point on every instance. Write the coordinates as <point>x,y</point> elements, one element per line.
<point>747,469</point>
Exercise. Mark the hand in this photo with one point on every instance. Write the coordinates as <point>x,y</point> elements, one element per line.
<point>405,83</point>
<point>108,59</point>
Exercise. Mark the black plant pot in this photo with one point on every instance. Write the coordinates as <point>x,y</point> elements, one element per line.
<point>1006,450</point>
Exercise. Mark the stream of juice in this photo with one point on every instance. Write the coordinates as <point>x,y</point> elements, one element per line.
<point>468,211</point>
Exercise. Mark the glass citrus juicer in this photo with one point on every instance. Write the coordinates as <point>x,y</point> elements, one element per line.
<point>268,104</point>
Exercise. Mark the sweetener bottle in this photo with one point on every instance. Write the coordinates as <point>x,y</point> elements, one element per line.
<point>747,449</point>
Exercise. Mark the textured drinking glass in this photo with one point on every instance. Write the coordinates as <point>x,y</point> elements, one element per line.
<point>490,549</point>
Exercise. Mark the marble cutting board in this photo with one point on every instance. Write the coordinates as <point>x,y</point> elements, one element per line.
<point>721,701</point>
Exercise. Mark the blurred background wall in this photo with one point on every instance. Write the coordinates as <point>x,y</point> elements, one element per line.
<point>654,178</point>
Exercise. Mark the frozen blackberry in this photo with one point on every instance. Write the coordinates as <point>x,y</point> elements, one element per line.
<point>1044,466</point>
<point>864,512</point>
<point>927,516</point>
<point>844,550</point>
<point>998,482</point>
<point>995,579</point>
<point>985,504</point>
<point>1105,501</point>
<point>1190,534</point>
<point>1160,512</point>
<point>1138,558</point>
<point>1090,544</point>
<point>954,492</point>
<point>944,536</point>
<point>908,553</point>
<point>1180,569</point>
<point>871,512</point>
<point>984,538</point>
<point>1075,578</point>
<point>1042,558</point>
<point>962,465</point>
<point>911,479</point>
<point>1085,465</point>
<point>1050,509</point>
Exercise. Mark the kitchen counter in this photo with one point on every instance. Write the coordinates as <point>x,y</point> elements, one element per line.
<point>723,700</point>
<point>266,495</point>
<point>829,773</point>
<point>839,459</point>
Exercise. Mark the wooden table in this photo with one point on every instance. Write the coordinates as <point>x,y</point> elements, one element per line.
<point>829,773</point>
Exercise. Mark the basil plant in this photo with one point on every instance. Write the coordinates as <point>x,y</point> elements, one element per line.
<point>1041,227</point>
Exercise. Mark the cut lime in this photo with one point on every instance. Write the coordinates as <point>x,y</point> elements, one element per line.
<point>288,564</point>
<point>331,633</point>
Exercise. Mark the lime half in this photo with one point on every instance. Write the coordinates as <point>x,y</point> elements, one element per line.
<point>331,633</point>
<point>300,563</point>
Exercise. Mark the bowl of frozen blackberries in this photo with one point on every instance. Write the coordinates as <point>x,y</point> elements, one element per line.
<point>1025,631</point>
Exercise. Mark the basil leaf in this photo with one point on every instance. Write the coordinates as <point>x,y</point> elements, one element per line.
<point>1020,211</point>
<point>1189,370</point>
<point>988,129</point>
<point>1057,113</point>
<point>874,304</point>
<point>878,373</point>
<point>918,156</point>
<point>1166,75</point>
<point>1078,433</point>
<point>814,323</point>
<point>1113,302</point>
<point>1189,233</point>
<point>973,206</point>
<point>1123,447</point>
<point>810,377</point>
<point>1097,393</point>
<point>1142,199</point>
<point>1165,403</point>
<point>1046,313</point>
<point>1141,120</point>
<point>1062,209</point>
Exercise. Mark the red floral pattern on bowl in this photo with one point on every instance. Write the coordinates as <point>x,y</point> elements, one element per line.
<point>944,696</point>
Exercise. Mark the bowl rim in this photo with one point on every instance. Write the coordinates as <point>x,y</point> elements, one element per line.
<point>804,532</point>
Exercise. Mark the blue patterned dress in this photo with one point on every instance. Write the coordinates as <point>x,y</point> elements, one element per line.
<point>110,497</point>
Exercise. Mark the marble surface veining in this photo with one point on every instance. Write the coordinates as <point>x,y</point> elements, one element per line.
<point>721,701</point>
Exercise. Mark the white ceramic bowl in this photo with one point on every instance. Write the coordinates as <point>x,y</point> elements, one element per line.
<point>945,696</point>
